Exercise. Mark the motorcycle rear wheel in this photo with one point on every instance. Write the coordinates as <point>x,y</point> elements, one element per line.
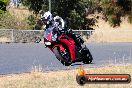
<point>88,57</point>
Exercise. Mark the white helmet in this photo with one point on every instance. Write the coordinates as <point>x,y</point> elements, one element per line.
<point>46,17</point>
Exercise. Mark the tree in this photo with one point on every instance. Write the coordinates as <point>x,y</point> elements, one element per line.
<point>113,10</point>
<point>72,11</point>
<point>33,5</point>
<point>3,4</point>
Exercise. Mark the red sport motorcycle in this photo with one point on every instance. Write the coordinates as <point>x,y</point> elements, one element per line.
<point>65,48</point>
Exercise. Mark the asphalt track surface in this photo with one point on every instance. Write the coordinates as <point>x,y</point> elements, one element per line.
<point>18,57</point>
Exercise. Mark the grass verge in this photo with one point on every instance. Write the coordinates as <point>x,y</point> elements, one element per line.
<point>62,79</point>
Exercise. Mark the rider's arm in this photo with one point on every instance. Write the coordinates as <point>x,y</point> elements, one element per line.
<point>60,19</point>
<point>63,23</point>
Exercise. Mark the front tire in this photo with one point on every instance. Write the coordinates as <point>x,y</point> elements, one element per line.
<point>60,57</point>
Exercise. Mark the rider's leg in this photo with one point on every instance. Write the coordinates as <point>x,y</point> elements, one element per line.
<point>76,38</point>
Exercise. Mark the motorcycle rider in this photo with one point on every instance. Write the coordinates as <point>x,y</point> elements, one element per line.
<point>57,21</point>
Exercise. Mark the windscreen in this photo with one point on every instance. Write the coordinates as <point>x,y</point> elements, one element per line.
<point>48,33</point>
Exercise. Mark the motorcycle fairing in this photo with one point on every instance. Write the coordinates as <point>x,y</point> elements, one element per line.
<point>60,46</point>
<point>70,43</point>
<point>48,37</point>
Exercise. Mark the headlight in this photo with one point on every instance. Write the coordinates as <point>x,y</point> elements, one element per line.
<point>47,43</point>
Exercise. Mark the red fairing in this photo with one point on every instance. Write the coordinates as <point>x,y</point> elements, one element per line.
<point>61,47</point>
<point>70,43</point>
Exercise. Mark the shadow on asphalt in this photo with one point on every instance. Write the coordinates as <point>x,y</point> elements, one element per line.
<point>78,64</point>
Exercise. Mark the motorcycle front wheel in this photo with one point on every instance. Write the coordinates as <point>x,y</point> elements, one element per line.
<point>63,57</point>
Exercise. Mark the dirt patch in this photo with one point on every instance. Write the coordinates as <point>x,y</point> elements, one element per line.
<point>111,36</point>
<point>4,39</point>
<point>105,33</point>
<point>19,14</point>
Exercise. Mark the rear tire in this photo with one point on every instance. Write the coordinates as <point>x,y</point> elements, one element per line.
<point>88,57</point>
<point>59,56</point>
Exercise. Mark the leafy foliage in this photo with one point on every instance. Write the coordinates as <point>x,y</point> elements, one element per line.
<point>31,20</point>
<point>74,12</point>
<point>34,5</point>
<point>34,23</point>
<point>130,19</point>
<point>115,9</point>
<point>3,4</point>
